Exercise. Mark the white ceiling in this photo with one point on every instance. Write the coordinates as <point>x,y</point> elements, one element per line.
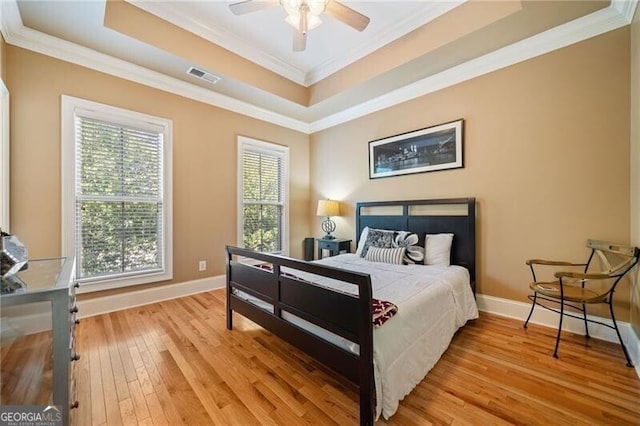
<point>74,31</point>
<point>266,39</point>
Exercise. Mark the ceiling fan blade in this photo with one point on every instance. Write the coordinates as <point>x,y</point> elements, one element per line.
<point>248,6</point>
<point>345,14</point>
<point>299,41</point>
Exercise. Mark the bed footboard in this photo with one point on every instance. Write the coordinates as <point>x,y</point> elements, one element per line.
<point>346,315</point>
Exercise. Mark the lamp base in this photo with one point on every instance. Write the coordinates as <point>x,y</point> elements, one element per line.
<point>328,226</point>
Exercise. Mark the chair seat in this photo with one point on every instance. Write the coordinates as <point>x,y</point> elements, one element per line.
<point>592,284</point>
<point>572,293</point>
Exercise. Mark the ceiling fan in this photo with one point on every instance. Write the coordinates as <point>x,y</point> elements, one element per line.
<point>303,15</point>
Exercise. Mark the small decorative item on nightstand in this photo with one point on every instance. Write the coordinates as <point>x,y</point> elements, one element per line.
<point>328,208</point>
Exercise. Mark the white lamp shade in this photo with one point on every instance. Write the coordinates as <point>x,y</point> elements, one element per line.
<point>328,208</point>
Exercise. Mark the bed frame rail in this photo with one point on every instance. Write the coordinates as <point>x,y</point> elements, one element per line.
<point>346,315</point>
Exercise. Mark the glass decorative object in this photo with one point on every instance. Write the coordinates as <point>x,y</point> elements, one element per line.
<point>13,255</point>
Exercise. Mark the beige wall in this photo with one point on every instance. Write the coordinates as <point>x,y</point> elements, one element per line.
<point>534,134</point>
<point>204,160</point>
<point>635,163</point>
<point>546,153</point>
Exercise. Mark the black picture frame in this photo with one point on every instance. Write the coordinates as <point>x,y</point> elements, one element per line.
<point>424,150</point>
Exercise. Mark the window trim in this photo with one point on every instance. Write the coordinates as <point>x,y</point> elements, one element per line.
<point>69,107</point>
<point>4,157</point>
<point>272,149</point>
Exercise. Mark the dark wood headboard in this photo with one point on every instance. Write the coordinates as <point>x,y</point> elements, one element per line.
<point>454,215</point>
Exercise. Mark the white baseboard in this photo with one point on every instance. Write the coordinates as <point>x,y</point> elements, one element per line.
<point>36,317</point>
<point>541,316</point>
<point>118,302</point>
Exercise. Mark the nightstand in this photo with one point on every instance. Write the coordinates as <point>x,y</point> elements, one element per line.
<point>334,247</point>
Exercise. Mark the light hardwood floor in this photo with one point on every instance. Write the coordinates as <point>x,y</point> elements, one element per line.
<point>175,363</point>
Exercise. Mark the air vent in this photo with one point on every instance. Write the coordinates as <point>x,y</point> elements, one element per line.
<point>203,75</point>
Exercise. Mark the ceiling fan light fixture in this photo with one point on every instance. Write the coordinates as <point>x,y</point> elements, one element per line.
<point>312,21</point>
<point>304,15</point>
<point>310,8</point>
<point>316,7</point>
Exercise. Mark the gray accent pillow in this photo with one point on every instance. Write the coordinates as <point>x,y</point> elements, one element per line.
<point>377,238</point>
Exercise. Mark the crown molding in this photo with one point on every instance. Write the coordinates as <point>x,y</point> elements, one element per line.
<point>10,20</point>
<point>225,39</point>
<point>18,35</point>
<point>625,8</point>
<point>228,40</point>
<point>618,14</point>
<point>379,40</point>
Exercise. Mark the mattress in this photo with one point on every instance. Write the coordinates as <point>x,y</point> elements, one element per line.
<point>433,302</point>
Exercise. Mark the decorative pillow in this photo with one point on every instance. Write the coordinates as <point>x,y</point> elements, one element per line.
<point>385,255</point>
<point>362,240</point>
<point>377,238</point>
<point>414,254</point>
<point>438,249</point>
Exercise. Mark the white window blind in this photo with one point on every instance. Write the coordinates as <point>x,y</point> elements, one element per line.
<point>120,210</point>
<point>263,195</point>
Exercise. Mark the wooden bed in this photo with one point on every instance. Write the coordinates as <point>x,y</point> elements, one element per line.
<point>343,314</point>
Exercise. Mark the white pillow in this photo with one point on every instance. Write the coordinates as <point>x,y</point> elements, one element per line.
<point>385,255</point>
<point>362,240</point>
<point>438,249</point>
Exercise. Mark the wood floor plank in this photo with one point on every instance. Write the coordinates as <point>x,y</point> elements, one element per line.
<point>108,378</point>
<point>98,409</point>
<point>122,390</point>
<point>191,376</point>
<point>155,409</point>
<point>127,412</point>
<point>169,407</point>
<point>179,398</point>
<point>122,332</point>
<point>182,366</point>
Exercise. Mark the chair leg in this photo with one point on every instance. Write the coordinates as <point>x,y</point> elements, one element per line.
<point>615,325</point>
<point>533,305</point>
<point>584,315</point>
<point>555,351</point>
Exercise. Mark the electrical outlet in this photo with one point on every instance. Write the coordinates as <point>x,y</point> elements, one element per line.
<point>202,265</point>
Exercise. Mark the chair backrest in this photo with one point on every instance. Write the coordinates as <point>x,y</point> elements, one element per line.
<point>616,259</point>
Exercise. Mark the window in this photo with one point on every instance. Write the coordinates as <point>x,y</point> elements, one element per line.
<point>116,194</point>
<point>262,188</point>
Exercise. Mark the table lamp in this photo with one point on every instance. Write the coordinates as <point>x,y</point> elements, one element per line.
<point>328,208</point>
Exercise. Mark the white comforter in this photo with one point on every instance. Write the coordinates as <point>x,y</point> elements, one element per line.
<point>433,302</point>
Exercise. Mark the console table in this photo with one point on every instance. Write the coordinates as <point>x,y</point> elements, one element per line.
<point>51,280</point>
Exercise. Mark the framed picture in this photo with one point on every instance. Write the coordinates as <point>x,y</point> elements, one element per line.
<point>425,150</point>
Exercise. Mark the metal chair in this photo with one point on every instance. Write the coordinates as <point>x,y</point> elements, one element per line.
<point>576,289</point>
